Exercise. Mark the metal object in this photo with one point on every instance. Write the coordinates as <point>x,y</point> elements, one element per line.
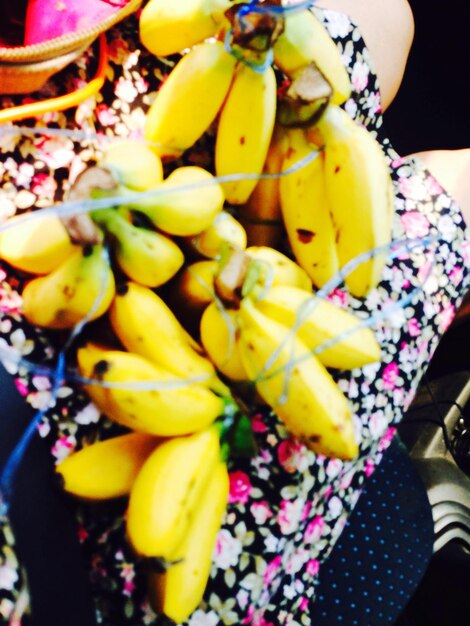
<point>431,431</point>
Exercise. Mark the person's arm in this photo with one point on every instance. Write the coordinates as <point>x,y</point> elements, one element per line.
<point>387,27</point>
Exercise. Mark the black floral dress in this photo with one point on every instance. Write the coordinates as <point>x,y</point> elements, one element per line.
<point>287,505</point>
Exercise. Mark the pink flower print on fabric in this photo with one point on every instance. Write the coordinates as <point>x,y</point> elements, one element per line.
<point>369,467</point>
<point>446,316</point>
<point>240,487</point>
<point>289,515</point>
<point>291,455</point>
<point>415,224</point>
<point>261,511</point>
<point>456,275</point>
<point>313,567</point>
<point>254,618</point>
<point>413,328</point>
<point>360,76</point>
<point>44,185</point>
<point>257,423</point>
<point>314,529</point>
<point>272,570</point>
<point>390,376</point>
<point>227,550</point>
<point>106,115</point>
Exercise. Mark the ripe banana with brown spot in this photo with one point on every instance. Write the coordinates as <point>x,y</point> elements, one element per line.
<point>306,211</point>
<point>144,396</point>
<point>295,384</point>
<point>360,195</point>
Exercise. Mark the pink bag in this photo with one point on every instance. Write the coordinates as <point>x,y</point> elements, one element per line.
<point>49,19</point>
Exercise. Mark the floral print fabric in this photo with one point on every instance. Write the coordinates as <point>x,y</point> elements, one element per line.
<point>287,506</point>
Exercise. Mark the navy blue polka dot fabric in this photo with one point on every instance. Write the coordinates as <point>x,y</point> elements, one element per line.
<point>383,552</point>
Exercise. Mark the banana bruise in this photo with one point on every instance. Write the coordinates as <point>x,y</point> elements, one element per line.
<point>167,492</point>
<point>134,164</point>
<point>219,336</point>
<point>82,286</point>
<point>261,215</point>
<point>318,321</point>
<point>279,269</point>
<point>245,128</point>
<point>305,40</point>
<point>37,246</point>
<point>360,195</point>
<point>190,99</point>
<point>177,592</point>
<point>106,469</point>
<point>185,204</point>
<point>145,325</point>
<point>306,213</point>
<point>295,385</point>
<point>167,27</point>
<point>170,410</point>
<point>144,255</point>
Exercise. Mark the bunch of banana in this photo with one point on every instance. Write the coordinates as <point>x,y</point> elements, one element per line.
<point>295,384</point>
<point>144,396</point>
<point>305,41</point>
<point>36,246</point>
<point>146,326</point>
<point>167,27</point>
<point>359,193</point>
<point>82,286</point>
<point>106,469</point>
<point>177,592</point>
<point>145,256</point>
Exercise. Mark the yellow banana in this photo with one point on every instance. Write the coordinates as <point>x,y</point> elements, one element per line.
<point>167,493</point>
<point>144,255</point>
<point>190,98</point>
<point>261,215</point>
<point>134,164</point>
<point>360,195</point>
<point>196,284</point>
<point>185,204</point>
<point>219,336</point>
<point>224,229</point>
<point>167,27</point>
<point>106,469</point>
<point>305,40</point>
<point>280,270</point>
<point>83,285</point>
<point>318,321</point>
<point>145,325</point>
<point>177,592</point>
<point>245,128</point>
<point>306,213</point>
<point>295,384</point>
<point>37,246</point>
<point>167,411</point>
